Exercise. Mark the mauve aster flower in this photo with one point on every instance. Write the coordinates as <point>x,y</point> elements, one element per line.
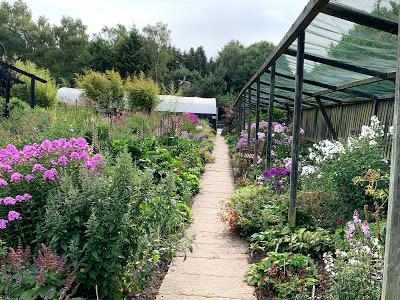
<point>3,182</point>
<point>13,215</point>
<point>16,176</point>
<point>3,224</point>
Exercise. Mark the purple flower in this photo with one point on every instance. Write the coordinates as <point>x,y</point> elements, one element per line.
<point>9,201</point>
<point>50,175</point>
<point>281,171</point>
<point>184,134</point>
<point>27,196</point>
<point>16,176</point>
<point>356,218</point>
<point>97,157</point>
<point>38,168</point>
<point>278,185</point>
<point>75,155</point>
<point>3,224</point>
<point>63,160</point>
<point>13,215</point>
<point>90,164</point>
<point>365,230</point>
<point>84,155</point>
<point>28,178</point>
<point>3,182</point>
<point>349,236</point>
<point>352,228</point>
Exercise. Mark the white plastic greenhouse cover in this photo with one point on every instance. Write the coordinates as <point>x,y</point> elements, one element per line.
<point>68,95</point>
<point>187,104</point>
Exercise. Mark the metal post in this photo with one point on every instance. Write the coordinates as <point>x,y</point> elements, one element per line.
<point>257,122</point>
<point>270,117</point>
<point>249,118</point>
<point>391,278</point>
<point>33,92</point>
<point>296,129</point>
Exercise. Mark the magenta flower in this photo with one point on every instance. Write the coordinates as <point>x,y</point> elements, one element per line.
<point>13,215</point>
<point>3,224</point>
<point>38,168</point>
<point>84,155</point>
<point>63,160</point>
<point>9,201</point>
<point>27,196</point>
<point>90,164</point>
<point>97,157</point>
<point>3,182</point>
<point>278,185</point>
<point>28,178</point>
<point>16,176</point>
<point>75,155</point>
<point>50,175</point>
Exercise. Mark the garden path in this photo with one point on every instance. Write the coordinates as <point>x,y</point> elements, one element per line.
<point>216,267</point>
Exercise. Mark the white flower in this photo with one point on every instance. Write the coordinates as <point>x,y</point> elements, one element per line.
<point>391,130</point>
<point>353,261</point>
<point>308,170</point>
<point>366,249</point>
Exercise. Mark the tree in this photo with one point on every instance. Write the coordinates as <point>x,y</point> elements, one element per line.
<point>157,49</point>
<point>142,93</point>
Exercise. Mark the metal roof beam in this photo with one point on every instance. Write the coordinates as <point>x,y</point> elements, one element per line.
<point>11,67</point>
<point>309,13</point>
<point>361,18</point>
<point>337,64</point>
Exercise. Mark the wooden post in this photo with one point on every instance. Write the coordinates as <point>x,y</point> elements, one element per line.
<point>249,120</point>
<point>391,278</point>
<point>238,118</point>
<point>270,117</point>
<point>296,129</point>
<point>257,122</point>
<point>33,92</point>
<point>327,119</point>
<point>375,106</point>
<point>288,115</point>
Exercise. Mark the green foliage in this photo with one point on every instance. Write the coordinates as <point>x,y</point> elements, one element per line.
<point>105,89</point>
<point>254,208</point>
<point>45,93</point>
<point>44,276</point>
<point>284,239</point>
<point>291,276</point>
<point>142,94</point>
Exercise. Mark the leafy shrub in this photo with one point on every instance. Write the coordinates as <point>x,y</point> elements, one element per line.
<point>46,276</point>
<point>290,276</point>
<point>105,89</point>
<point>254,208</point>
<point>284,239</point>
<point>45,93</point>
<point>142,93</point>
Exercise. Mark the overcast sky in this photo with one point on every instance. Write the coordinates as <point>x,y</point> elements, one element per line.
<point>210,23</point>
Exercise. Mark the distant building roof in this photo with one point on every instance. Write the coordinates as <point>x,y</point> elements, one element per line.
<point>69,95</point>
<point>187,104</point>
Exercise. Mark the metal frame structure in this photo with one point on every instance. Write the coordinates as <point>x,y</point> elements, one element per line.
<point>320,99</point>
<point>10,79</point>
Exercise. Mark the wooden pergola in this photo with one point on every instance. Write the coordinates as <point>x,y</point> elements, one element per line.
<point>263,91</point>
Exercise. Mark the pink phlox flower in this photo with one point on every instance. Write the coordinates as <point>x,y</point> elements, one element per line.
<point>3,182</point>
<point>27,196</point>
<point>63,160</point>
<point>90,164</point>
<point>84,155</point>
<point>6,167</point>
<point>97,157</point>
<point>11,149</point>
<point>16,177</point>
<point>75,155</point>
<point>50,175</point>
<point>9,201</point>
<point>3,224</point>
<point>13,215</point>
<point>38,168</point>
<point>29,178</point>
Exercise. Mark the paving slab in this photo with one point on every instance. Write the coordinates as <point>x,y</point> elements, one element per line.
<point>216,268</point>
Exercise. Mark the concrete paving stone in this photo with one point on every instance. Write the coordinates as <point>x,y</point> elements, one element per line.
<point>217,266</point>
